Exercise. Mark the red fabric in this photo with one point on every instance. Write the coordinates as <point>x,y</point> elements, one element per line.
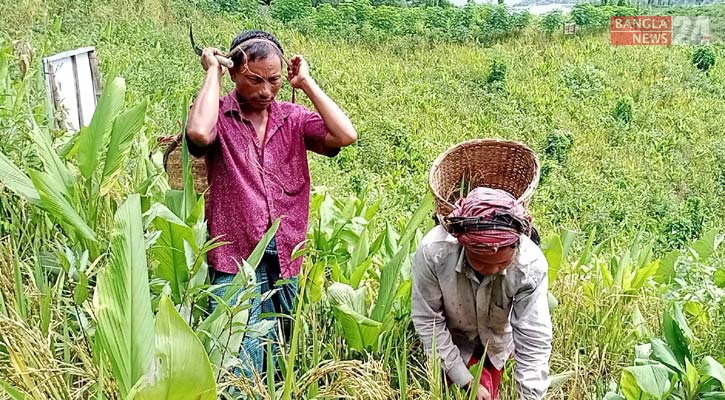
<point>490,377</point>
<point>485,203</point>
<point>252,184</point>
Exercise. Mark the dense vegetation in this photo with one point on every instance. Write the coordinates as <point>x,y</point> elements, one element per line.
<point>630,203</point>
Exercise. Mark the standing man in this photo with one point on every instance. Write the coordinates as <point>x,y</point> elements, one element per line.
<point>256,157</point>
<point>480,286</point>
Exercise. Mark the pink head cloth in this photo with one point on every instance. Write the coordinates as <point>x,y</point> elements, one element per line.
<point>484,204</point>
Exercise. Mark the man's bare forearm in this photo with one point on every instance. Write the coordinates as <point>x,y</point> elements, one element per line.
<point>205,110</point>
<point>340,128</point>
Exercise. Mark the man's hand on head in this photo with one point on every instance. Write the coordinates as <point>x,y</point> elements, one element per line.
<point>209,60</point>
<point>298,71</point>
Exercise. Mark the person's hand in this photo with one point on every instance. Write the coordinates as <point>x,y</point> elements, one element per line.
<point>298,71</point>
<point>482,393</point>
<point>209,61</point>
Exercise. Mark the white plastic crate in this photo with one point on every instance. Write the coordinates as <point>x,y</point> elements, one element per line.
<point>73,85</point>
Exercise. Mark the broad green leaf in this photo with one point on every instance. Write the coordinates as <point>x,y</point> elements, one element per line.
<point>691,378</point>
<point>12,391</point>
<point>713,369</point>
<point>567,239</point>
<point>553,251</point>
<point>348,235</point>
<point>675,337</point>
<point>696,310</point>
<point>125,321</point>
<point>388,284</point>
<point>719,278</point>
<point>621,270</point>
<point>70,148</point>
<point>95,137</point>
<point>349,309</point>
<point>259,249</point>
<point>336,273</point>
<point>666,271</point>
<point>316,282</point>
<point>420,215</point>
<point>390,242</point>
<point>52,201</point>
<point>54,167</point>
<point>169,249</point>
<point>606,274</point>
<point>359,272</point>
<point>646,382</point>
<point>640,252</point>
<point>80,292</point>
<point>174,200</point>
<point>197,213</point>
<point>348,211</point>
<point>360,332</point>
<point>378,243</point>
<point>682,322</point>
<point>642,352</point>
<point>160,211</point>
<point>360,252</point>
<point>16,180</point>
<point>327,215</point>
<point>587,250</point>
<point>370,211</point>
<point>341,293</point>
<point>126,127</point>
<point>180,369</point>
<point>640,323</point>
<point>707,245</point>
<point>642,275</point>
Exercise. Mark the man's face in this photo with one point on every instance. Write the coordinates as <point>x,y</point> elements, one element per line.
<point>490,261</point>
<point>258,85</point>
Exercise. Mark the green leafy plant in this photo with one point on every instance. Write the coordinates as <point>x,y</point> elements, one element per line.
<point>362,327</point>
<point>558,145</point>
<point>623,110</point>
<point>496,74</point>
<point>704,58</point>
<point>633,269</point>
<point>552,22</point>
<point>667,370</point>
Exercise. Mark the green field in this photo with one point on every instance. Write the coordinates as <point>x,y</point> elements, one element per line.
<point>631,201</point>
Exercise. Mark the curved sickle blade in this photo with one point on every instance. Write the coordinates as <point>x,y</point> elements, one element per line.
<point>197,50</point>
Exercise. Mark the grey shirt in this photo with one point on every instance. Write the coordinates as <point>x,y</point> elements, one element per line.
<point>507,312</point>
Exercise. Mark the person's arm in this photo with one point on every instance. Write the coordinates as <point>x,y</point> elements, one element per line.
<point>532,334</point>
<point>340,132</point>
<point>430,322</point>
<point>204,112</point>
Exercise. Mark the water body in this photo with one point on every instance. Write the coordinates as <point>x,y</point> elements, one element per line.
<point>538,9</point>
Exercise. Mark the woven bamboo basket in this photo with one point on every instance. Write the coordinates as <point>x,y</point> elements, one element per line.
<point>172,165</point>
<point>497,164</point>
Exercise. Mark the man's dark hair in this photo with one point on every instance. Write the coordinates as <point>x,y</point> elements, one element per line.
<point>256,50</point>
